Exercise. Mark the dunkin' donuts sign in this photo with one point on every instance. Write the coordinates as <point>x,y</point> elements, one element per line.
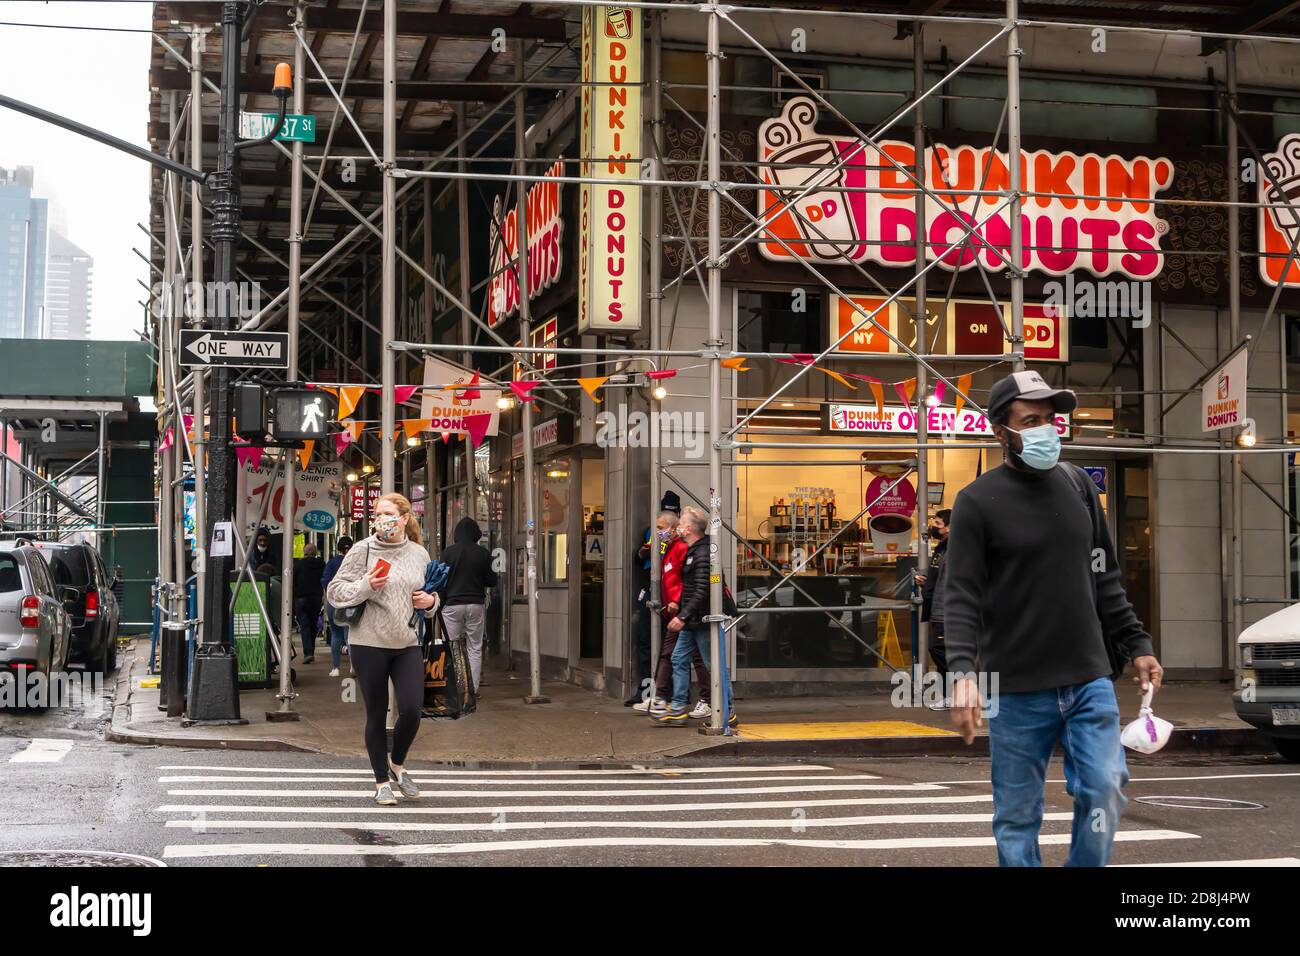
<point>807,205</point>
<point>545,234</point>
<point>1279,222</point>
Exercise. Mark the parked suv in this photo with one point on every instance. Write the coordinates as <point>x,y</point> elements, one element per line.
<point>35,628</point>
<point>94,609</point>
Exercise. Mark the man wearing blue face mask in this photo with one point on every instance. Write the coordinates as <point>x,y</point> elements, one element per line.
<point>1033,590</point>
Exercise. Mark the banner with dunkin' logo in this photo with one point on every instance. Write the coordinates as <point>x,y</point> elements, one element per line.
<point>815,209</point>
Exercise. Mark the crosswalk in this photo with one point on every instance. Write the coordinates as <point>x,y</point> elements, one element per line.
<point>781,815</point>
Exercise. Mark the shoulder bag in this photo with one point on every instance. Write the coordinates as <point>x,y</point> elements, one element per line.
<point>347,616</point>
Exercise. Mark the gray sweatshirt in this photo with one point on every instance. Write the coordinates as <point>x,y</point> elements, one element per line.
<point>387,619</point>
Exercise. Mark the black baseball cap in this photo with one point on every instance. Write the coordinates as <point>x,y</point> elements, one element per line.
<point>1030,387</point>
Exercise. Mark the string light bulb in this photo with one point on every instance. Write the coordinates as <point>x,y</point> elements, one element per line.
<point>367,469</point>
<point>412,442</point>
<point>1247,437</point>
<point>505,403</point>
<point>932,400</point>
<point>660,393</point>
<point>352,476</point>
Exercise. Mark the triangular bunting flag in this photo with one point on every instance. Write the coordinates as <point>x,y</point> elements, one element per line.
<point>905,390</point>
<point>341,442</point>
<point>940,389</point>
<point>838,377</point>
<point>963,389</point>
<point>168,437</point>
<point>800,358</point>
<point>403,393</point>
<point>304,453</point>
<point>413,426</point>
<point>446,437</point>
<point>736,364</point>
<point>589,385</point>
<point>349,395</point>
<point>521,390</point>
<point>355,429</point>
<point>242,454</point>
<point>477,426</point>
<point>878,390</point>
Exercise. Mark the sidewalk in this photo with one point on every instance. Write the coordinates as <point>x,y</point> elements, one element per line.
<point>581,725</point>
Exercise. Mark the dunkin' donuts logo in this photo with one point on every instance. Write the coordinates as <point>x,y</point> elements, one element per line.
<point>811,207</point>
<point>1280,226</point>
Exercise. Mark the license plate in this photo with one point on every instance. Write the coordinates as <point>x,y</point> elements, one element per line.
<point>1286,715</point>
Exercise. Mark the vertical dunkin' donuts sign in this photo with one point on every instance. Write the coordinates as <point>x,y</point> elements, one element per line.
<point>1279,224</point>
<point>811,207</point>
<point>609,214</point>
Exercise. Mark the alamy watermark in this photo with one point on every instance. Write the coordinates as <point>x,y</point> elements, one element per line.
<point>194,300</point>
<point>933,689</point>
<point>653,429</point>
<point>28,688</point>
<point>1095,299</point>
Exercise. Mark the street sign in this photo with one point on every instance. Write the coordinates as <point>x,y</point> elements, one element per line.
<point>234,349</point>
<point>297,127</point>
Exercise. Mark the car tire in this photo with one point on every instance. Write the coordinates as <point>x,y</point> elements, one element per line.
<point>1288,747</point>
<point>100,664</point>
<point>112,653</point>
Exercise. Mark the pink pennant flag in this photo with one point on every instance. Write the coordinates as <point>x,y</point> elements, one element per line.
<point>403,393</point>
<point>471,393</point>
<point>249,457</point>
<point>939,389</point>
<point>477,426</point>
<point>521,390</point>
<point>341,442</point>
<point>905,390</point>
<point>446,437</point>
<point>800,358</point>
<point>168,437</point>
<point>241,456</point>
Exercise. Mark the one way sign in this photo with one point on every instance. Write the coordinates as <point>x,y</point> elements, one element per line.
<point>235,349</point>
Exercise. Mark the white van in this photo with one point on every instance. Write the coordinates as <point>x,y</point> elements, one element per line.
<point>1269,693</point>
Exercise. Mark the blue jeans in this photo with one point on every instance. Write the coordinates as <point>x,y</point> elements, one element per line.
<point>338,637</point>
<point>1085,718</point>
<point>688,642</point>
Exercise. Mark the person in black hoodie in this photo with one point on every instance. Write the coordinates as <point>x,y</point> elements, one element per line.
<point>465,597</point>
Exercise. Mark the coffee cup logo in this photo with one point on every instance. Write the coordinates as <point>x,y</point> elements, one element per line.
<point>802,168</point>
<point>1283,187</point>
<point>618,23</point>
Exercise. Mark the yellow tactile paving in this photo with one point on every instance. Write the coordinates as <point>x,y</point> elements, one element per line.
<point>838,730</point>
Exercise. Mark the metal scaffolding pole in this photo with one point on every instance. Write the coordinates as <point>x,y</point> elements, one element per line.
<point>286,692</point>
<point>430,455</point>
<point>199,375</point>
<point>1016,270</point>
<point>462,221</point>
<point>388,279</point>
<point>717,720</point>
<point>656,298</point>
<point>920,665</point>
<point>535,695</point>
<point>1234,338</point>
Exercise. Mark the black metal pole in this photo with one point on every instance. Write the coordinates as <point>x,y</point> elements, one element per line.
<point>214,687</point>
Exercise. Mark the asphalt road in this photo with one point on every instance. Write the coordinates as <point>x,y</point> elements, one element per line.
<point>64,789</point>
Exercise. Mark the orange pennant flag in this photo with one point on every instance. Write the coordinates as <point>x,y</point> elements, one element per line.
<point>589,385</point>
<point>354,429</point>
<point>413,426</point>
<point>963,389</point>
<point>905,390</point>
<point>349,395</point>
<point>304,453</point>
<point>878,390</point>
<point>838,377</point>
<point>736,363</point>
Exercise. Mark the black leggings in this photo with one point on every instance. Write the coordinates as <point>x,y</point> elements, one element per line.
<point>374,667</point>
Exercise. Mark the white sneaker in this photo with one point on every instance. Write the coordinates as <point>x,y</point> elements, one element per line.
<point>334,672</point>
<point>649,706</point>
<point>701,711</point>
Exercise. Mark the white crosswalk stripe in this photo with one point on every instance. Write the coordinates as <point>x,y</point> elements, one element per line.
<point>43,750</point>
<point>789,814</point>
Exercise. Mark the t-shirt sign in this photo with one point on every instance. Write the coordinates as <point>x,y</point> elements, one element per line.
<point>900,500</point>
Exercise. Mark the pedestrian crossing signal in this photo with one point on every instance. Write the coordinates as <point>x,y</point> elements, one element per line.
<point>301,414</point>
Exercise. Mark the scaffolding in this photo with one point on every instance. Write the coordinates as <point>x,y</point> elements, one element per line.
<point>409,168</point>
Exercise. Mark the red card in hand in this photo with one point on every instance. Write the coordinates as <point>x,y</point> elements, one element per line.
<point>381,568</point>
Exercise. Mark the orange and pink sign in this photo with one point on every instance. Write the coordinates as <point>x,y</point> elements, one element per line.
<point>814,208</point>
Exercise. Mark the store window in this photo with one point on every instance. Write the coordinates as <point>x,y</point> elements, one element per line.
<point>553,542</point>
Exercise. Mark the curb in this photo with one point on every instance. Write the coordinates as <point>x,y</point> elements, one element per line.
<point>119,729</point>
<point>1222,741</point>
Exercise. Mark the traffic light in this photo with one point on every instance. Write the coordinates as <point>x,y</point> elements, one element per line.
<point>301,414</point>
<point>250,411</point>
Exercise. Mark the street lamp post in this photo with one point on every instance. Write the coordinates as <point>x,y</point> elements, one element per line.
<point>214,690</point>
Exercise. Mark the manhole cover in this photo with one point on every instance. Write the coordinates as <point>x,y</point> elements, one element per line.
<point>74,858</point>
<point>1200,803</point>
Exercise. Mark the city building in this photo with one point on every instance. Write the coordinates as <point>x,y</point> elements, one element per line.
<point>68,285</point>
<point>24,222</point>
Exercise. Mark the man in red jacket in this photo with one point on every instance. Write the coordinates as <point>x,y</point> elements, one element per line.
<point>673,548</point>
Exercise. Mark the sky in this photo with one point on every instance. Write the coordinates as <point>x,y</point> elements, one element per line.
<point>100,79</point>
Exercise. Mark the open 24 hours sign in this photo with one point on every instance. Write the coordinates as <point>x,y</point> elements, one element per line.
<point>901,420</point>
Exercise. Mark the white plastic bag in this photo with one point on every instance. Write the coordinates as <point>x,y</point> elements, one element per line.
<point>1148,733</point>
